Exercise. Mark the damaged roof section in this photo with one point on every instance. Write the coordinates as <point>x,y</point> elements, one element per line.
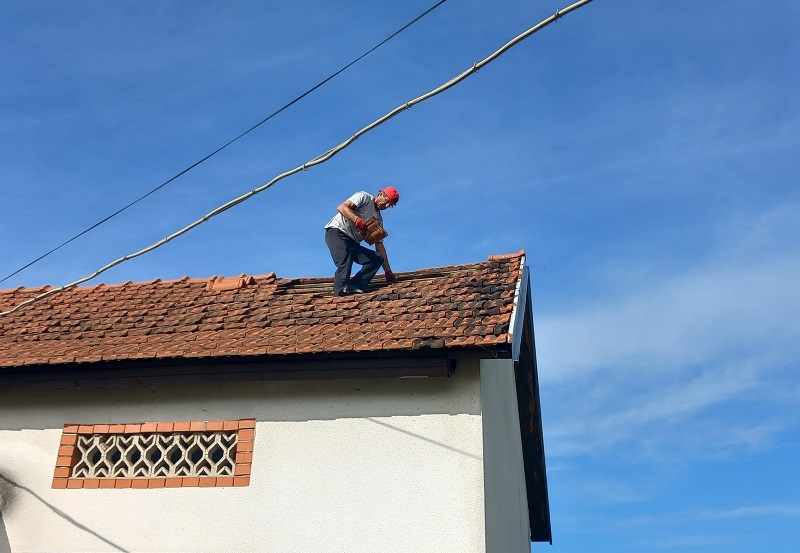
<point>469,306</point>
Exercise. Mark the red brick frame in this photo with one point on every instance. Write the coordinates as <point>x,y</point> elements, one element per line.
<point>68,455</point>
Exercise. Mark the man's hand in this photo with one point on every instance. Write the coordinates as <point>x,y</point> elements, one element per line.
<point>390,278</point>
<point>361,225</point>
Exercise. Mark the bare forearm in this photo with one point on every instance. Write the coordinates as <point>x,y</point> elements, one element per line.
<point>347,211</point>
<point>381,249</point>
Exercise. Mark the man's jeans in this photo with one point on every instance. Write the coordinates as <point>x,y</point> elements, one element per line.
<point>345,251</point>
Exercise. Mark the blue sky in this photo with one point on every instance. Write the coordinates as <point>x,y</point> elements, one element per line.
<point>643,153</point>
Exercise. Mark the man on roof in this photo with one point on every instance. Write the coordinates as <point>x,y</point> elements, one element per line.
<point>359,219</point>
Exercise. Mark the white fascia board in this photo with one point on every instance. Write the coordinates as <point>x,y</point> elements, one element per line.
<point>518,313</point>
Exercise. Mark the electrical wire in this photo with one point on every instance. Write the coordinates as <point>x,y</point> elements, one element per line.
<point>319,159</point>
<point>218,150</point>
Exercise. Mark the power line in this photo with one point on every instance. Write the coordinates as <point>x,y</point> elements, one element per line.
<point>322,158</point>
<point>215,152</point>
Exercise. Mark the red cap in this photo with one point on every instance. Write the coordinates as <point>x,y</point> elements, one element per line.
<point>392,193</point>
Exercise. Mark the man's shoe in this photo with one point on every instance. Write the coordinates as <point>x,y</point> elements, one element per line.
<point>353,289</point>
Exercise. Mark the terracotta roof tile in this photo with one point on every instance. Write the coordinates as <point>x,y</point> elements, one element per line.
<point>443,307</point>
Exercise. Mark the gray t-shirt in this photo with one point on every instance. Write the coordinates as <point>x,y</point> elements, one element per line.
<point>365,208</point>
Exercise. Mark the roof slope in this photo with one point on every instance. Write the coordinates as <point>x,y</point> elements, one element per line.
<point>463,306</point>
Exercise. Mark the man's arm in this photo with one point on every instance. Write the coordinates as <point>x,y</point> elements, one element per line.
<point>387,269</point>
<point>348,210</point>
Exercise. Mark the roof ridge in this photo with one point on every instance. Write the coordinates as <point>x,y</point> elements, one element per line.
<point>502,257</point>
<point>267,278</point>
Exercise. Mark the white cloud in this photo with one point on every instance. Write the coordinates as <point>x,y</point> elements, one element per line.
<point>684,319</point>
<point>674,361</point>
<point>660,415</point>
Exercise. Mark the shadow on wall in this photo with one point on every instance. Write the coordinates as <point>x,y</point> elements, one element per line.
<point>277,401</point>
<point>8,492</point>
<point>5,545</point>
<point>424,439</point>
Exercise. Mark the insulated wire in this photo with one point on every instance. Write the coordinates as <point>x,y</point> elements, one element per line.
<point>212,154</point>
<point>319,159</point>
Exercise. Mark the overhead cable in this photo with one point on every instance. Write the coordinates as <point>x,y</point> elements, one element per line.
<point>218,150</point>
<point>319,159</point>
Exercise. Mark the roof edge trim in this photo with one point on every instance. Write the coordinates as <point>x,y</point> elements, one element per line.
<point>518,314</point>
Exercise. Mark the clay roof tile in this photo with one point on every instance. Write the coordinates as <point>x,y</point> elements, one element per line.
<point>457,306</point>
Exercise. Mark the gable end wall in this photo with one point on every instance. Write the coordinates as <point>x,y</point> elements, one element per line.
<point>357,465</point>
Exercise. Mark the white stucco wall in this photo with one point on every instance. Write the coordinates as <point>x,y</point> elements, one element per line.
<point>507,524</point>
<point>357,466</point>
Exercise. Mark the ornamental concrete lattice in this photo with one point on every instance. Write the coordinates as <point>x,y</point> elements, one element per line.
<point>155,455</point>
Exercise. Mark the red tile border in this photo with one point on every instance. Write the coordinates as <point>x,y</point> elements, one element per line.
<point>68,455</point>
<point>207,482</point>
<point>91,483</point>
<point>173,482</point>
<point>152,483</point>
<point>224,481</point>
<point>64,461</point>
<point>164,426</point>
<point>247,435</point>
<point>244,457</point>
